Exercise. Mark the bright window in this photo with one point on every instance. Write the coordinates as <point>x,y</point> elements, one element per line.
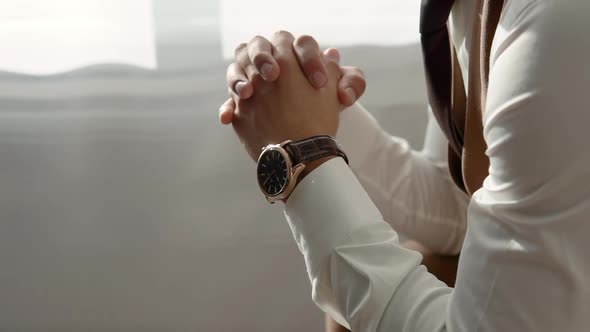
<point>45,37</point>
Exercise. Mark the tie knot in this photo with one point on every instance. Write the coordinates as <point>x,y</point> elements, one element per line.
<point>434,15</point>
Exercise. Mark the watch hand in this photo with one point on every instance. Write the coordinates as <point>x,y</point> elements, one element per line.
<point>268,177</point>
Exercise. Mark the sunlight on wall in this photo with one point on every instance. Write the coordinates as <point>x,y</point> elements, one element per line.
<point>332,22</point>
<point>45,37</point>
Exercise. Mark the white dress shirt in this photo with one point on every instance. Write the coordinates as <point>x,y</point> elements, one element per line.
<point>524,236</point>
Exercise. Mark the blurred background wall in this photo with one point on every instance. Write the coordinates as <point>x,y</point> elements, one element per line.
<point>125,206</point>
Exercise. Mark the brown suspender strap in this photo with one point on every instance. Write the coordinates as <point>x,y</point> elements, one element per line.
<point>436,46</point>
<point>459,103</point>
<point>471,168</point>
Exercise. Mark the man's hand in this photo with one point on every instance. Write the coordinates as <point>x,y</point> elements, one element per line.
<point>289,107</point>
<point>259,52</point>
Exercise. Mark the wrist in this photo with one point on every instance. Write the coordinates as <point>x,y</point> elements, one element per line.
<point>309,167</point>
<point>312,165</point>
<point>281,167</point>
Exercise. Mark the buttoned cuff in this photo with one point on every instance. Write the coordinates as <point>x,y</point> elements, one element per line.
<point>325,208</point>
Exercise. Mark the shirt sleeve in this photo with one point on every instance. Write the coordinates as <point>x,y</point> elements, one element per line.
<point>354,260</point>
<point>525,265</point>
<point>412,189</point>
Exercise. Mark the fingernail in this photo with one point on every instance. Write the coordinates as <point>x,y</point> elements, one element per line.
<point>350,92</point>
<point>319,79</point>
<point>239,87</point>
<point>333,55</point>
<point>266,70</point>
<point>333,58</point>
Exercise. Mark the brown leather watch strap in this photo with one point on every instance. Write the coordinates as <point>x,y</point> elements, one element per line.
<point>314,148</point>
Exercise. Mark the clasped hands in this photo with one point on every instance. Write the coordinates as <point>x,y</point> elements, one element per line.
<point>287,89</point>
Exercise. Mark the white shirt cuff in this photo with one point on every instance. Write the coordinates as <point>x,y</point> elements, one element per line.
<point>325,207</point>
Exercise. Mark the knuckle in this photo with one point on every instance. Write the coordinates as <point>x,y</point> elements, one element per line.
<point>258,39</point>
<point>331,62</point>
<point>232,79</point>
<point>332,51</point>
<point>360,81</point>
<point>354,74</point>
<point>362,86</point>
<point>230,71</point>
<point>233,70</point>
<point>356,82</point>
<point>240,48</point>
<point>358,72</point>
<point>333,59</point>
<point>283,34</point>
<point>332,54</point>
<point>259,58</point>
<point>307,41</point>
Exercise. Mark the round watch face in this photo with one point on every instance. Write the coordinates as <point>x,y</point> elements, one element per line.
<point>273,172</point>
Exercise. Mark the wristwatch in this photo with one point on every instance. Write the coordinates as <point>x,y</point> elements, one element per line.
<point>279,165</point>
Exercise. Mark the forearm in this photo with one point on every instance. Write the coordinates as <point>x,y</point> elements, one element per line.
<point>354,259</point>
<point>412,189</point>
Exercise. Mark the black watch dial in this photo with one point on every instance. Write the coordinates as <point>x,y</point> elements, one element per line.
<point>273,173</point>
